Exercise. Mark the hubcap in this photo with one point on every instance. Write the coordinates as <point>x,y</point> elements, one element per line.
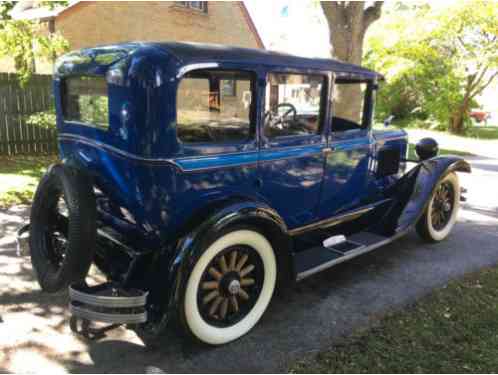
<point>442,205</point>
<point>234,287</point>
<point>230,286</point>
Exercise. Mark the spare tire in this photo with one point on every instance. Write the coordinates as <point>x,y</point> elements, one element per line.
<point>63,228</point>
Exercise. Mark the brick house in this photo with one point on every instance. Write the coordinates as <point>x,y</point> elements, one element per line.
<point>91,23</point>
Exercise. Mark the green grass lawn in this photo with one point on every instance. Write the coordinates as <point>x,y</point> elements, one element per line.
<point>19,177</point>
<point>484,132</point>
<point>453,330</point>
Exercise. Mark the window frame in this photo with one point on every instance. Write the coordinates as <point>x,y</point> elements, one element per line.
<point>368,105</point>
<point>324,105</point>
<point>64,97</point>
<point>251,140</point>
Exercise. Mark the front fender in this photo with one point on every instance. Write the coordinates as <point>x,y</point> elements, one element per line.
<point>412,192</point>
<point>182,256</point>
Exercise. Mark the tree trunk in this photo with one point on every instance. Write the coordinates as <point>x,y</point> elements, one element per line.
<point>458,117</point>
<point>348,22</point>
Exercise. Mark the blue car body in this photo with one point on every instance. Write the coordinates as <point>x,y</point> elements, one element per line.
<point>160,198</point>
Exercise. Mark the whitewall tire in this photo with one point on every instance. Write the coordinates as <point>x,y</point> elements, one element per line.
<point>229,287</point>
<point>441,214</point>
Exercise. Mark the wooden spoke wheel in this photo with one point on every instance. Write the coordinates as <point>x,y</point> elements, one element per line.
<point>229,287</point>
<point>442,205</point>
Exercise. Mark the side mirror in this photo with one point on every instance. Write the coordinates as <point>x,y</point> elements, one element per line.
<point>388,120</point>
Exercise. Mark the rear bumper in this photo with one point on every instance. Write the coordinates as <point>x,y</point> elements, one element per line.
<point>108,303</point>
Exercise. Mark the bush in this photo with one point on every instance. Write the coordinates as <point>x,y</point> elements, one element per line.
<point>44,119</point>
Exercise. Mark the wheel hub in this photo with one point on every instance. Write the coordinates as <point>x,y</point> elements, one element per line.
<point>234,287</point>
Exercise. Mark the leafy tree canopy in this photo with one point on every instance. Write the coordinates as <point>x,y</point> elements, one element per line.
<point>5,8</point>
<point>437,61</point>
<point>26,41</point>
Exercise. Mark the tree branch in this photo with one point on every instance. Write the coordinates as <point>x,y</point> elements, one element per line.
<point>372,14</point>
<point>478,78</point>
<point>482,87</point>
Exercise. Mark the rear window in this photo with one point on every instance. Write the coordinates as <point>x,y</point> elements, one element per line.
<point>85,101</point>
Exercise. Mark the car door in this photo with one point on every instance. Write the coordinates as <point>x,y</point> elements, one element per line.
<point>217,143</point>
<point>349,164</point>
<point>291,160</point>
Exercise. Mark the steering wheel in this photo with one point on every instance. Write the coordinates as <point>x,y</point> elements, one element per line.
<point>277,119</point>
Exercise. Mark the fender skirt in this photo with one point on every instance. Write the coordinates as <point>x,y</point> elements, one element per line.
<point>412,192</point>
<point>178,260</point>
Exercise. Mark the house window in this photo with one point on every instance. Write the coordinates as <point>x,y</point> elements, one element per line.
<point>208,113</point>
<point>85,101</point>
<point>293,104</point>
<point>197,5</point>
<point>228,87</point>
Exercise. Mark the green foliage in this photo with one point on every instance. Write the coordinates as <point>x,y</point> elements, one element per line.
<point>94,109</point>
<point>51,46</point>
<point>436,61</point>
<point>5,8</point>
<point>54,4</point>
<point>44,119</point>
<point>24,41</point>
<point>16,41</point>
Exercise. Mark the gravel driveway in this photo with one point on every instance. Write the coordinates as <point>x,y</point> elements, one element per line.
<point>34,335</point>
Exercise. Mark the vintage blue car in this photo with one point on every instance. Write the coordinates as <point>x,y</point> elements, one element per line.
<point>198,177</point>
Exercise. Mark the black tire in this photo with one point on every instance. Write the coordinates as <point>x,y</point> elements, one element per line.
<point>62,247</point>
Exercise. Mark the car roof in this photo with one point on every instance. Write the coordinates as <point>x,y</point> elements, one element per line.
<point>191,53</point>
<point>188,53</point>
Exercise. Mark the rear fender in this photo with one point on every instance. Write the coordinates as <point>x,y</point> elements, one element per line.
<point>412,193</point>
<point>180,258</point>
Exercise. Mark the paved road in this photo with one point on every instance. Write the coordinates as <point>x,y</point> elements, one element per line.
<point>315,314</point>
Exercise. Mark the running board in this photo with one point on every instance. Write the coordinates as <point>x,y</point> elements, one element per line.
<point>319,258</point>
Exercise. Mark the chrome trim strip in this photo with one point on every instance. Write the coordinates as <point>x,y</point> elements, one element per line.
<point>176,162</point>
<point>81,312</point>
<point>153,161</point>
<point>107,301</point>
<point>331,221</point>
<point>347,256</point>
<point>187,68</point>
<point>126,154</point>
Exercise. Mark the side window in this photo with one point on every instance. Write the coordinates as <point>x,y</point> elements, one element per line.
<point>85,100</point>
<point>293,104</point>
<point>348,106</point>
<point>215,106</point>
